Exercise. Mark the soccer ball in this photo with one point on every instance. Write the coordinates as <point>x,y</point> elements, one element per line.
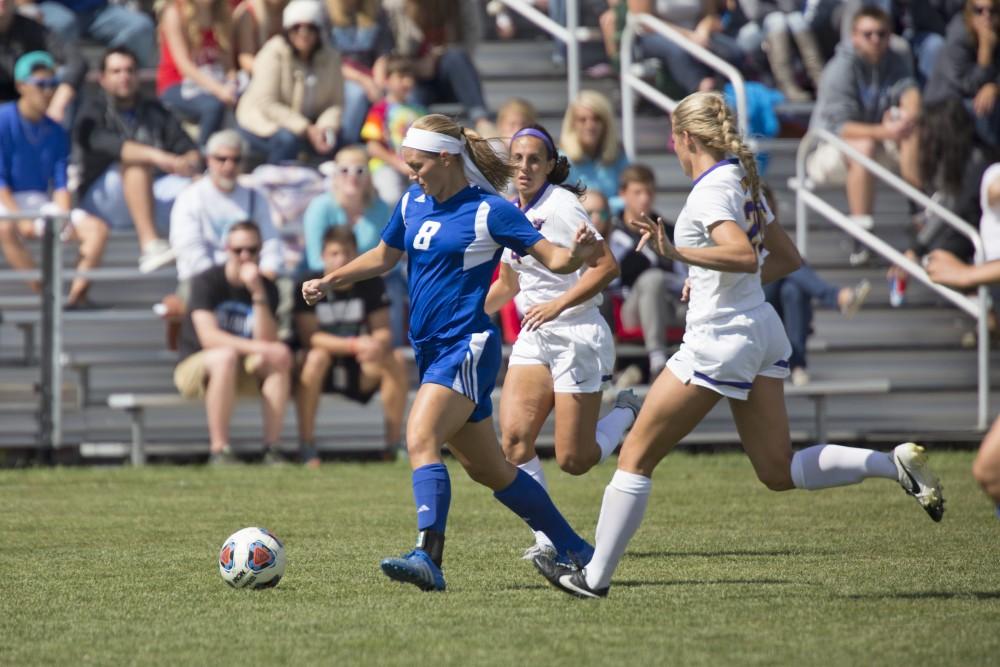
<point>252,558</point>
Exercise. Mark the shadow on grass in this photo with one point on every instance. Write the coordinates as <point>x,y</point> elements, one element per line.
<point>929,595</point>
<point>722,554</point>
<point>675,582</point>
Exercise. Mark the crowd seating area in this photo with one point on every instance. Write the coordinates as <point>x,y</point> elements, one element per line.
<point>888,374</point>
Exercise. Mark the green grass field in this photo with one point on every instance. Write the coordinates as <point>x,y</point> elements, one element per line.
<point>118,566</point>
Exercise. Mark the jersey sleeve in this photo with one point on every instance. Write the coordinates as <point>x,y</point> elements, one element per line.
<point>203,292</point>
<point>713,203</point>
<point>394,233</point>
<point>510,228</point>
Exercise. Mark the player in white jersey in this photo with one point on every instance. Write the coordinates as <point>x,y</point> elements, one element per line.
<point>565,352</point>
<point>734,347</point>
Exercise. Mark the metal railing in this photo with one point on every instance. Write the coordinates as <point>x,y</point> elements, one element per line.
<point>805,199</point>
<point>50,409</point>
<point>632,83</point>
<point>570,34</point>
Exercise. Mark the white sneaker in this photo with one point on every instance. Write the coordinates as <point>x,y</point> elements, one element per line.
<point>537,549</point>
<point>155,254</point>
<point>917,479</point>
<point>859,257</point>
<point>799,376</point>
<point>859,293</point>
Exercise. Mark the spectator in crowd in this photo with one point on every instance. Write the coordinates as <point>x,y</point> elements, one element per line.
<point>348,348</point>
<point>440,35</point>
<point>969,67</point>
<point>254,23</point>
<point>700,22</point>
<point>515,114</point>
<point>792,298</point>
<point>111,24</point>
<point>196,78</point>
<point>295,97</point>
<point>34,155</point>
<point>589,139</point>
<point>352,202</point>
<point>651,284</point>
<point>869,97</point>
<point>229,344</point>
<point>136,157</point>
<point>360,31</point>
<point>385,127</point>
<point>206,209</point>
<point>775,26</point>
<point>19,35</point>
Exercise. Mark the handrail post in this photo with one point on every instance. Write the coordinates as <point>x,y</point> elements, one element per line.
<point>573,48</point>
<point>628,95</point>
<point>50,408</point>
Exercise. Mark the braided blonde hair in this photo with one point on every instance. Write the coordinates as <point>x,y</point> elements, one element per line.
<point>707,117</point>
<point>497,170</point>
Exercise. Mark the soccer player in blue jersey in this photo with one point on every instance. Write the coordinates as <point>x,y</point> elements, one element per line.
<point>453,227</point>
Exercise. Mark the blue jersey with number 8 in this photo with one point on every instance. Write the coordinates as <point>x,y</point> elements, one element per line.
<point>453,248</point>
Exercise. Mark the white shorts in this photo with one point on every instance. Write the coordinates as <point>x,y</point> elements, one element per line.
<point>580,353</point>
<point>827,166</point>
<point>40,202</point>
<point>728,353</point>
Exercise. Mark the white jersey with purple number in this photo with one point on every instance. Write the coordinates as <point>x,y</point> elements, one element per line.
<point>556,213</point>
<point>453,248</point>
<point>719,194</point>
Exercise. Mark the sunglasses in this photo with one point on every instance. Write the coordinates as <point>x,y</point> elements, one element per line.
<point>356,170</point>
<point>869,34</point>
<point>303,26</point>
<point>251,250</point>
<point>226,158</point>
<point>44,84</point>
<point>984,11</point>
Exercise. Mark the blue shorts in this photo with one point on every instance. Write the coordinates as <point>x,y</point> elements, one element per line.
<point>468,365</point>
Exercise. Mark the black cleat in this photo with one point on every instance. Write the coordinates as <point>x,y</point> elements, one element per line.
<point>567,579</point>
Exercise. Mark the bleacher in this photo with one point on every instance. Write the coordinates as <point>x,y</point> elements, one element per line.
<point>916,350</point>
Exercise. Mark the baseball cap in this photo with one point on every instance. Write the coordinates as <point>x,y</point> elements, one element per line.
<point>31,61</point>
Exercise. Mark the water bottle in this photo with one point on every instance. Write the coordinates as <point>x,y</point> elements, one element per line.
<point>897,291</point>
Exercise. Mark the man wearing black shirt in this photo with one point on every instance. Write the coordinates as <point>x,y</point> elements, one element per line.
<point>136,157</point>
<point>20,35</point>
<point>229,344</point>
<point>348,348</point>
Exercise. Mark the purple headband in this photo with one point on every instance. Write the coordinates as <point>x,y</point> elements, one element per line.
<point>532,132</point>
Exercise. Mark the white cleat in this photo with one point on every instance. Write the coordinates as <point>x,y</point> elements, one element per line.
<point>628,400</point>
<point>917,479</point>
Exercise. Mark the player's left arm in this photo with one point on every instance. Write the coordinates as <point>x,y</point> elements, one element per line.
<point>782,255</point>
<point>591,283</point>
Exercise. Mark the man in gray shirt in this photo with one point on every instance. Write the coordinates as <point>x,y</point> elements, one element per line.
<point>869,98</point>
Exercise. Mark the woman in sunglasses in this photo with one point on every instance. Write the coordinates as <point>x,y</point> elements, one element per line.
<point>968,67</point>
<point>294,100</point>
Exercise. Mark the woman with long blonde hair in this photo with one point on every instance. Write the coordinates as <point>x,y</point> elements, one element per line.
<point>196,78</point>
<point>590,140</point>
<point>734,347</point>
<point>453,226</point>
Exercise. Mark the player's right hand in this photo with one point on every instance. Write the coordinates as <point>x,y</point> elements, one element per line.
<point>313,291</point>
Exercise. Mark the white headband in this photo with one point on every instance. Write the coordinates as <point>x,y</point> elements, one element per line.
<point>435,142</point>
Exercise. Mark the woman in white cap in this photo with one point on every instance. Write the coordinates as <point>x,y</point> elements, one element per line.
<point>453,228</point>
<point>295,97</point>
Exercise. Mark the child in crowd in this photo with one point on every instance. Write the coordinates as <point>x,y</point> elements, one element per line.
<point>386,125</point>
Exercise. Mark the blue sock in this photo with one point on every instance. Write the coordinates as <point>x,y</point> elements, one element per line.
<point>432,496</point>
<point>526,498</point>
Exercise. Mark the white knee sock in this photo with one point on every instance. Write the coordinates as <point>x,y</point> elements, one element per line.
<point>611,429</point>
<point>624,505</point>
<point>823,466</point>
<point>534,468</point>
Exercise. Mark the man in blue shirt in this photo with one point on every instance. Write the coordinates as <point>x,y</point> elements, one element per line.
<point>34,153</point>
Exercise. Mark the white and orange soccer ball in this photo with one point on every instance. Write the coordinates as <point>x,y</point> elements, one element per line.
<point>252,558</point>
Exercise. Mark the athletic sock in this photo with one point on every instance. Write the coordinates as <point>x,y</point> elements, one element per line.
<point>527,499</point>
<point>534,468</point>
<point>824,466</point>
<point>432,496</point>
<point>625,500</point>
<point>611,429</point>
